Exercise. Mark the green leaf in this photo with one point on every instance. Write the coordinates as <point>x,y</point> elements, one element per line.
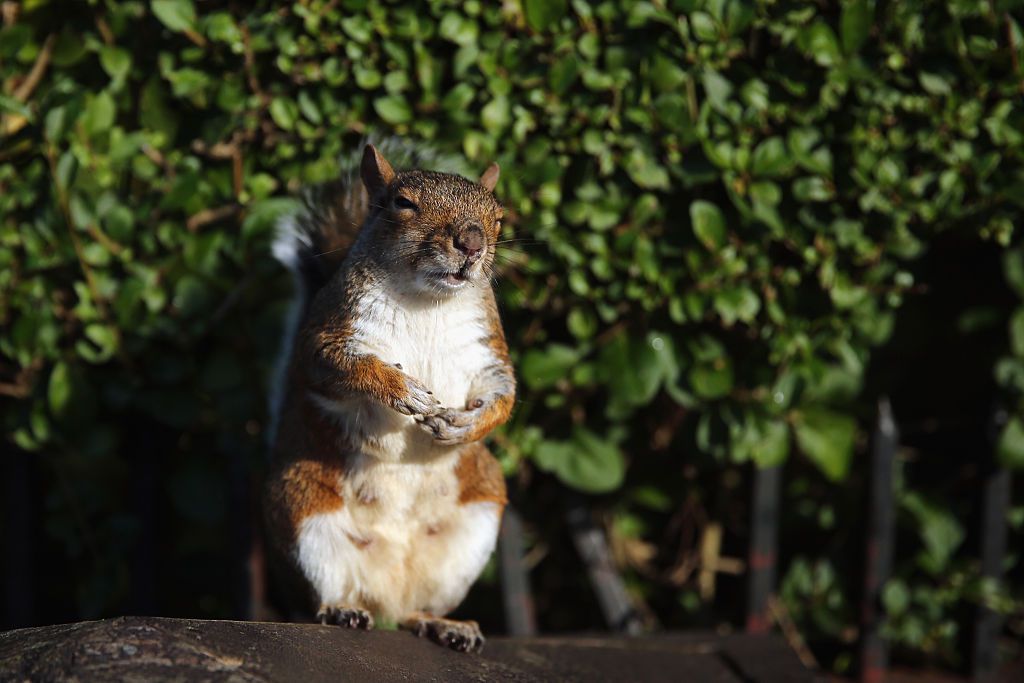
<point>1013,269</point>
<point>1010,447</point>
<point>704,27</point>
<point>827,439</point>
<point>765,441</point>
<point>59,391</point>
<point>712,380</point>
<point>9,104</point>
<point>819,40</point>
<point>854,24</point>
<point>154,112</point>
<point>284,111</point>
<point>940,531</point>
<point>100,344</point>
<point>1017,332</point>
<point>737,303</point>
<point>934,84</point>
<point>587,462</point>
<point>177,15</point>
<point>645,171</point>
<point>770,158</point>
<point>116,61</point>
<point>544,14</point>
<point>393,108</point>
<point>542,369</point>
<point>635,368</point>
<point>458,29</point>
<point>895,597</point>
<point>496,114</point>
<point>717,89</point>
<point>708,224</point>
<point>99,114</point>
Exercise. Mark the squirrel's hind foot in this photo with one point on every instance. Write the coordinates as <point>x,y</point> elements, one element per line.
<point>461,636</point>
<point>348,617</point>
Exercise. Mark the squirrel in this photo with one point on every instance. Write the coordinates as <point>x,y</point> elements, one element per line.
<point>381,499</point>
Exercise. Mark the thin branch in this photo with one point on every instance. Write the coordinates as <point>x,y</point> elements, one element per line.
<point>35,75</point>
<point>250,67</point>
<point>791,633</point>
<point>207,216</point>
<point>62,202</point>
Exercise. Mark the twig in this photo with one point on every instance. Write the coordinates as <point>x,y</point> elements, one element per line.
<point>10,11</point>
<point>218,150</point>
<point>38,70</point>
<point>62,202</point>
<point>250,67</point>
<point>789,630</point>
<point>110,244</point>
<point>207,216</point>
<point>154,155</point>
<point>15,390</point>
<point>104,28</point>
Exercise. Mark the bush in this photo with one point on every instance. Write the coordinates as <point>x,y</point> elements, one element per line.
<point>720,209</point>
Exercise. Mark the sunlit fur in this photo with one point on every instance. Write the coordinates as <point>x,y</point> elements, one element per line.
<point>375,510</point>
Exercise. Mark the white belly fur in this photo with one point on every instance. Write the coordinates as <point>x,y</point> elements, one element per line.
<point>401,542</point>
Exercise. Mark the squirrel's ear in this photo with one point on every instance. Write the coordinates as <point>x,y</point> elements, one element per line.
<point>490,177</point>
<point>376,171</point>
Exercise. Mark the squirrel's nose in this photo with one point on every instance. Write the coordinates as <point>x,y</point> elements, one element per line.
<point>470,241</point>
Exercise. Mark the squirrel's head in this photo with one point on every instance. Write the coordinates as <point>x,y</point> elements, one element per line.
<point>440,227</point>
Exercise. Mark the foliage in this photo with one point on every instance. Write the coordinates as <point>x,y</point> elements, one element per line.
<point>718,206</point>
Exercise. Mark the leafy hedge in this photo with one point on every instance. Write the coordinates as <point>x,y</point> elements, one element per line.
<point>717,211</point>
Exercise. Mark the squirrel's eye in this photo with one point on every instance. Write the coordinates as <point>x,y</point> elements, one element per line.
<point>404,203</point>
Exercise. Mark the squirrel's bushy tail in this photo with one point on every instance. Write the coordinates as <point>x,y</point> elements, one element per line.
<point>313,242</point>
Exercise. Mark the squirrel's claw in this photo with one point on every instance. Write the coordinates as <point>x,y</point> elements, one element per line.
<point>461,636</point>
<point>418,400</point>
<point>449,427</point>
<point>349,617</point>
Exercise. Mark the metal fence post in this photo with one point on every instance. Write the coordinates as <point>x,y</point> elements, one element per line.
<point>515,581</point>
<point>881,523</point>
<point>995,501</point>
<point>762,556</point>
<point>592,546</point>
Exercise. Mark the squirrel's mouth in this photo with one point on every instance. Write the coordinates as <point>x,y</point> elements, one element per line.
<point>453,279</point>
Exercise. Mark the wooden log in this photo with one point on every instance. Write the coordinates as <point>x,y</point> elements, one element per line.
<point>153,649</point>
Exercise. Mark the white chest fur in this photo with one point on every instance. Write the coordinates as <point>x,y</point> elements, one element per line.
<point>440,343</point>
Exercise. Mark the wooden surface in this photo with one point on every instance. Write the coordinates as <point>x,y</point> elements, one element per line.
<point>153,649</point>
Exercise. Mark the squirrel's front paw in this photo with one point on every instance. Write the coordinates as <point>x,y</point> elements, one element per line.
<point>449,427</point>
<point>349,617</point>
<point>418,400</point>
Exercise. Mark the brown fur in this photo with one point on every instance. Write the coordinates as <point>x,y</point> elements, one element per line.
<point>397,242</point>
<point>480,477</point>
<point>306,467</point>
